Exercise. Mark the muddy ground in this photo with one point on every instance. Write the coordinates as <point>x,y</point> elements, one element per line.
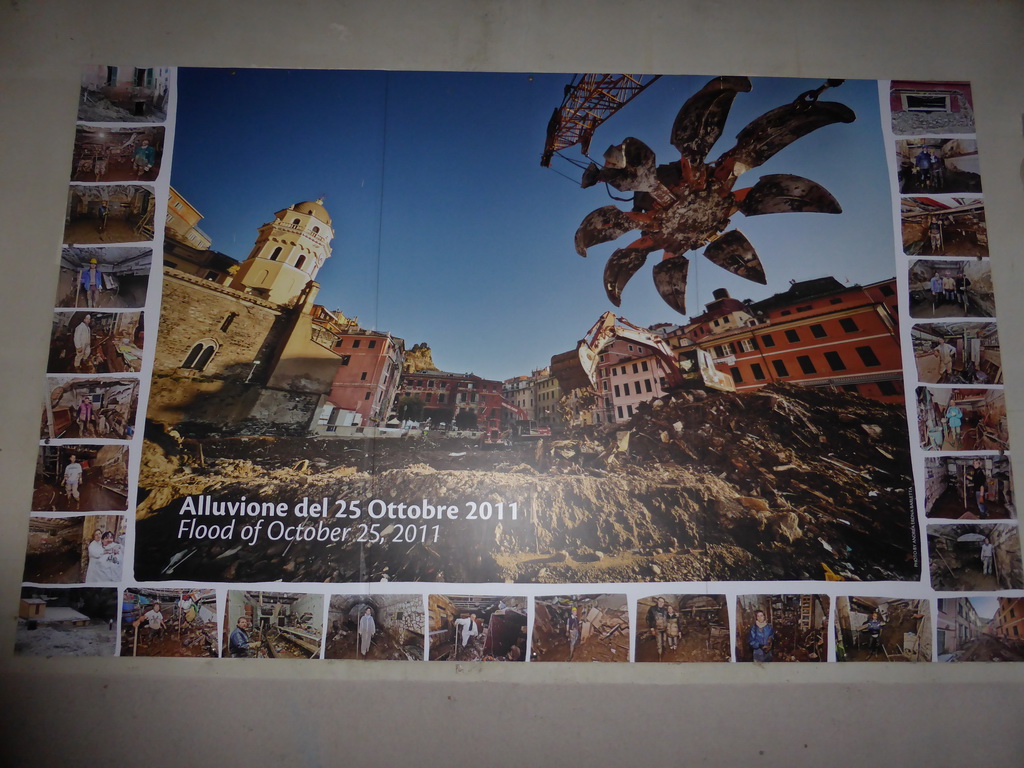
<point>780,484</point>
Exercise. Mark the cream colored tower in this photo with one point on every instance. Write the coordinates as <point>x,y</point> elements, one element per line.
<point>289,251</point>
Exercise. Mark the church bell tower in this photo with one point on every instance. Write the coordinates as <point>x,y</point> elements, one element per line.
<point>288,253</point>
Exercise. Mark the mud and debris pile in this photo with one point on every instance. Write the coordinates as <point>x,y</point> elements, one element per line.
<point>785,483</point>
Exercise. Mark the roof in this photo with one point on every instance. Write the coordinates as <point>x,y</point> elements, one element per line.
<point>314,208</point>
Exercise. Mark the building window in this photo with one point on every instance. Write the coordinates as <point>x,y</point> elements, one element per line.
<point>888,388</point>
<point>617,391</point>
<point>275,254</point>
<point>170,264</point>
<point>835,362</point>
<point>295,222</point>
<point>440,397</point>
<point>748,345</point>
<point>643,365</point>
<point>818,331</point>
<point>355,344</point>
<point>619,409</point>
<point>316,230</point>
<point>636,389</point>
<point>362,376</point>
<point>372,344</point>
<point>647,385</point>
<point>767,340</point>
<point>211,275</point>
<point>629,410</point>
<point>605,383</point>
<point>848,324</point>
<point>367,396</point>
<point>300,261</point>
<point>805,364</point>
<point>804,308</point>
<point>886,290</point>
<point>780,368</point>
<point>346,359</point>
<point>200,355</point>
<point>758,371</point>
<point>736,375</point>
<point>868,357</point>
<point>636,368</point>
<point>338,344</point>
<point>427,397</point>
<point>228,321</point>
<point>836,300</point>
<point>786,312</point>
<point>792,335</point>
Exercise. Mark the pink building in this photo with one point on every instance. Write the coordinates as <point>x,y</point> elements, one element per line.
<point>365,383</point>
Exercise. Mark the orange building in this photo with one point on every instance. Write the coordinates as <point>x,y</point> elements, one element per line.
<point>1008,622</point>
<point>818,333</point>
<point>464,400</point>
<point>366,379</point>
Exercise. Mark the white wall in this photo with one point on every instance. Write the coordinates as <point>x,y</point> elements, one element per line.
<point>85,712</point>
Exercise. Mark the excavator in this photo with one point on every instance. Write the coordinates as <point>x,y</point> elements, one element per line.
<point>577,370</point>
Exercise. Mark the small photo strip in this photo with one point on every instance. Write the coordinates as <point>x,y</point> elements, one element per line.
<point>124,94</point>
<point>951,289</point>
<point>922,107</point>
<point>96,342</point>
<point>969,488</point>
<point>81,478</point>
<point>86,549</point>
<point>974,557</point>
<point>581,628</point>
<point>109,213</point>
<point>944,166</point>
<point>104,278</point>
<point>273,625</point>
<point>104,153</point>
<point>950,227</point>
<point>475,628</point>
<point>883,629</point>
<point>980,629</point>
<point>962,419</point>
<point>66,621</point>
<point>78,407</point>
<point>375,627</point>
<point>957,353</point>
<point>782,628</point>
<point>169,622</point>
<point>683,628</point>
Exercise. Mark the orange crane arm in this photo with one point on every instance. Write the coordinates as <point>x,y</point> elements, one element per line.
<point>589,100</point>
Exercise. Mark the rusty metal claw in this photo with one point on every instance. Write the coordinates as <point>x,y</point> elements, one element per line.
<point>602,225</point>
<point>733,252</point>
<point>701,120</point>
<point>670,280</point>
<point>622,265</point>
<point>785,193</point>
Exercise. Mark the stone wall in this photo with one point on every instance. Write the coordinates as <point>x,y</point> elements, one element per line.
<point>408,628</point>
<point>192,310</point>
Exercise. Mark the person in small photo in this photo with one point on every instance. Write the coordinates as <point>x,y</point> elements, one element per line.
<point>760,637</point>
<point>144,158</point>
<point>73,478</point>
<point>83,342</point>
<point>367,629</point>
<point>572,631</point>
<point>672,628</point>
<point>238,640</point>
<point>657,623</point>
<point>987,553</point>
<point>92,283</point>
<point>466,629</point>
<point>96,554</point>
<point>153,621</point>
<point>873,626</point>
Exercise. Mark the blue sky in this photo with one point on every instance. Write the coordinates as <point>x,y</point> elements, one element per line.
<point>447,229</point>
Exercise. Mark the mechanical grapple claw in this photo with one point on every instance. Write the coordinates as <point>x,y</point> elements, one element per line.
<point>685,205</point>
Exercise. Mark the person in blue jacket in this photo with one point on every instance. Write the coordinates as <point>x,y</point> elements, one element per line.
<point>238,640</point>
<point>761,636</point>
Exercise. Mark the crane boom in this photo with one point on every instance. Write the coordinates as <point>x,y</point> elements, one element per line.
<point>589,100</point>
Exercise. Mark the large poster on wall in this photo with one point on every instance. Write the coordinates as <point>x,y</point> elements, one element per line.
<point>329,379</point>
